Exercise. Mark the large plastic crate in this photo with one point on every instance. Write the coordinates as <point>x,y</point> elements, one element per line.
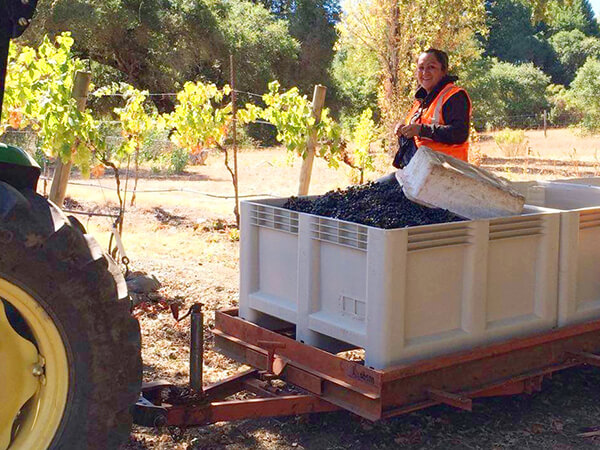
<point>402,294</point>
<point>579,260</point>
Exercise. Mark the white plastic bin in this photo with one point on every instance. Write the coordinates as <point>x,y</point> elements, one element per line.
<point>579,260</point>
<point>402,294</point>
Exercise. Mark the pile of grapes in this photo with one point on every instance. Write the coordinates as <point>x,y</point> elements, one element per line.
<point>381,205</point>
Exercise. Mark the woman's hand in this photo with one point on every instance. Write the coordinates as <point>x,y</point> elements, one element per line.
<point>408,131</point>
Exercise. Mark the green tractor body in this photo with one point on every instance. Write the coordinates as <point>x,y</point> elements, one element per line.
<point>17,168</point>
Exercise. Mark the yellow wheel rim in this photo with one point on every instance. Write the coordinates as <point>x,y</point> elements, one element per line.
<point>38,383</point>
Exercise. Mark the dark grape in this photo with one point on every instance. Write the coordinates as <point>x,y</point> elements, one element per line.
<point>381,205</point>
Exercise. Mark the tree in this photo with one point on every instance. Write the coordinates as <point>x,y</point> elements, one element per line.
<point>355,73</point>
<point>514,38</point>
<point>262,46</point>
<point>159,45</point>
<point>290,112</point>
<point>201,119</point>
<point>572,15</point>
<point>507,95</point>
<point>396,31</point>
<point>312,24</point>
<point>573,48</point>
<point>138,121</point>
<point>364,134</point>
<point>583,94</point>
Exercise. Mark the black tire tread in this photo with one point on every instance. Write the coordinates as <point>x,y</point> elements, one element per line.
<point>83,290</point>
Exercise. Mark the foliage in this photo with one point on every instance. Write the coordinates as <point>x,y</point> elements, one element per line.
<point>583,95</point>
<point>363,135</point>
<point>572,15</point>
<point>573,48</point>
<point>312,24</point>
<point>179,160</point>
<point>562,113</point>
<point>291,114</point>
<point>356,74</point>
<point>397,31</point>
<point>46,74</point>
<point>138,122</point>
<point>137,119</point>
<point>513,37</point>
<point>200,119</point>
<point>197,120</point>
<point>556,35</point>
<point>512,142</point>
<point>158,45</point>
<point>507,95</point>
<point>262,46</point>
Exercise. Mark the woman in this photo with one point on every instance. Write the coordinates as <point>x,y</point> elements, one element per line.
<point>441,112</point>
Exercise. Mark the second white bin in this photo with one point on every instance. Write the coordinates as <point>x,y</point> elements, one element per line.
<point>579,266</point>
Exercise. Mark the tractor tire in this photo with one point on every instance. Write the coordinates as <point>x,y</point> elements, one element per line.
<point>48,259</point>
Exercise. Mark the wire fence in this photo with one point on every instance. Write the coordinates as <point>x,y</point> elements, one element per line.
<point>28,139</point>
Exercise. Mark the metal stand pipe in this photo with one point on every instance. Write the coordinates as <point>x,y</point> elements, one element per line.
<point>196,347</point>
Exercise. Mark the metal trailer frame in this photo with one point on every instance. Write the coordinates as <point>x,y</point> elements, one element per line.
<point>322,381</point>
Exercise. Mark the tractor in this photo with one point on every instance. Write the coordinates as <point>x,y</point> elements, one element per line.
<point>70,349</point>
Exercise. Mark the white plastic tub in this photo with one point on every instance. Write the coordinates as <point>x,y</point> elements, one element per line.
<point>579,263</point>
<point>403,294</point>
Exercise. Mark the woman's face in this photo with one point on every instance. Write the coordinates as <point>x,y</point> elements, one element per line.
<point>429,71</point>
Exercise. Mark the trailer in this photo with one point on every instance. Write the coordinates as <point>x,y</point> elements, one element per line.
<point>291,374</point>
<point>316,381</point>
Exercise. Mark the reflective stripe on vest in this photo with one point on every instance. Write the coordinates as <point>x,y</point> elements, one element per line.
<point>433,114</point>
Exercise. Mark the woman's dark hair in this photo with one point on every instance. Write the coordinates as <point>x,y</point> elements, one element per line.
<point>440,55</point>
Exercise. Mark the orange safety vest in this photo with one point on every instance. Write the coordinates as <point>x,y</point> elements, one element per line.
<point>433,115</point>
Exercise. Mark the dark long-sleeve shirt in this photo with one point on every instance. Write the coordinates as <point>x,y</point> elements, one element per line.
<point>455,113</point>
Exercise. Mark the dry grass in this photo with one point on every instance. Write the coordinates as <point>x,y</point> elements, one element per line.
<point>187,239</point>
<point>558,144</point>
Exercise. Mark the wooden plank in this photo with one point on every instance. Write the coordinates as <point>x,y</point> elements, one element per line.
<point>229,385</point>
<point>257,387</point>
<point>185,416</point>
<point>246,353</point>
<point>490,351</point>
<point>304,379</point>
<point>586,358</point>
<point>312,359</point>
<point>456,400</point>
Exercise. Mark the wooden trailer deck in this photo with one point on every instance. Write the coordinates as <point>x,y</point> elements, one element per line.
<point>328,382</point>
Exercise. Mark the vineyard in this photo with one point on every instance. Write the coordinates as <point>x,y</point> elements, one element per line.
<point>182,230</point>
<point>165,171</point>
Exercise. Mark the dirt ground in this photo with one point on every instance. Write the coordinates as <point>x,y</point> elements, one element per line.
<point>182,229</point>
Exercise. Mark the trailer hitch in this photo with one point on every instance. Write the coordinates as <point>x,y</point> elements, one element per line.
<point>163,404</point>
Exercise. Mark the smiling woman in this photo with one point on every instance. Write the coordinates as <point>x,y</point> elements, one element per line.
<point>441,112</point>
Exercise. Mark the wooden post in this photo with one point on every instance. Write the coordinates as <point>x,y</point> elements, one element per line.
<point>236,189</point>
<point>58,189</point>
<point>307,163</point>
<point>545,122</point>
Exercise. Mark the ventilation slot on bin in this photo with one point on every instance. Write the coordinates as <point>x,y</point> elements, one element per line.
<point>353,308</point>
<point>342,233</point>
<point>589,219</point>
<point>275,218</point>
<point>515,227</point>
<point>434,238</point>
